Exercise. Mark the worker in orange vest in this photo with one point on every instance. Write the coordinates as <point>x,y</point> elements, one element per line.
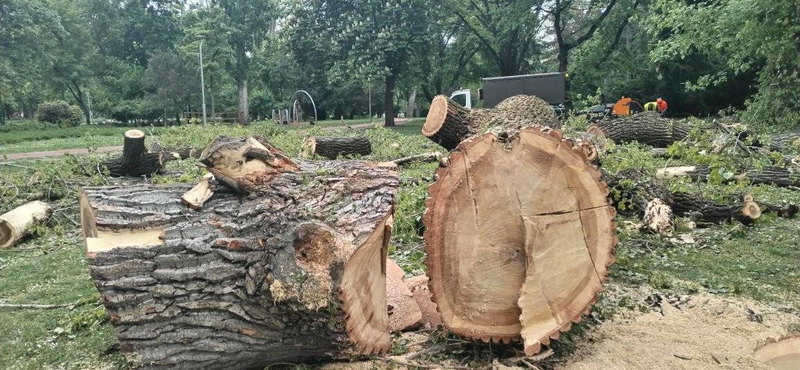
<point>662,105</point>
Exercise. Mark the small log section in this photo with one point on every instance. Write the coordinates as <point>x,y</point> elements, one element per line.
<point>780,354</point>
<point>522,255</point>
<point>292,272</point>
<point>448,123</point>
<point>135,160</point>
<point>771,175</point>
<point>334,147</point>
<point>650,198</point>
<point>15,224</point>
<point>647,128</point>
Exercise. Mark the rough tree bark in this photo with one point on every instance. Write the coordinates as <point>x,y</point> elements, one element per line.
<point>293,271</point>
<point>778,176</point>
<point>448,123</point>
<point>640,189</point>
<point>15,224</point>
<point>135,160</point>
<point>522,255</point>
<point>647,128</point>
<point>333,147</point>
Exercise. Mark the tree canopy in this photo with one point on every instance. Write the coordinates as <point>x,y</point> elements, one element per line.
<point>134,60</point>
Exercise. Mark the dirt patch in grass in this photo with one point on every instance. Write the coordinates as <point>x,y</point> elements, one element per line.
<point>705,332</point>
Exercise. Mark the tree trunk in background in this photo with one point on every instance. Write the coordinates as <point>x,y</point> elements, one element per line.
<point>563,59</point>
<point>244,108</point>
<point>412,104</point>
<point>388,100</point>
<point>211,93</point>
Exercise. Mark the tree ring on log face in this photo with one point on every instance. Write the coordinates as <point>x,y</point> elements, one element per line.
<point>519,236</point>
<point>781,354</point>
<point>134,134</point>
<point>436,116</point>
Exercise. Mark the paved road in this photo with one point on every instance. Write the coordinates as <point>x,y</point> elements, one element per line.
<point>118,148</point>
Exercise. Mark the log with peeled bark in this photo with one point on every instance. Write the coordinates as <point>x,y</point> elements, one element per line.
<point>647,128</point>
<point>519,236</point>
<point>293,271</point>
<point>135,160</point>
<point>15,224</point>
<point>448,123</point>
<point>334,147</point>
<point>770,175</point>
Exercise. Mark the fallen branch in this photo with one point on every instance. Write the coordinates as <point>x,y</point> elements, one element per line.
<point>425,157</point>
<point>41,306</point>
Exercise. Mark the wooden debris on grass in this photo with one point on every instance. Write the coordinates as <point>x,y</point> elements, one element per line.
<point>17,223</point>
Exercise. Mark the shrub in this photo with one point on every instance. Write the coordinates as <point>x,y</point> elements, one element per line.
<point>59,112</point>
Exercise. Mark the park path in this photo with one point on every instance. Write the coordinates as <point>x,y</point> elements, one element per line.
<point>118,148</point>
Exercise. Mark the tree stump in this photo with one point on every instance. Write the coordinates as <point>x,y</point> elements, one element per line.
<point>292,271</point>
<point>135,160</point>
<point>334,147</point>
<point>519,236</point>
<point>15,224</point>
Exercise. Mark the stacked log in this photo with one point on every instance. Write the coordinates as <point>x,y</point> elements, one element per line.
<point>448,123</point>
<point>135,160</point>
<point>334,147</point>
<point>786,141</point>
<point>647,128</point>
<point>519,256</point>
<point>289,267</point>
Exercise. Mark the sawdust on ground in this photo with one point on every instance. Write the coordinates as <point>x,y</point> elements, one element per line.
<point>707,332</point>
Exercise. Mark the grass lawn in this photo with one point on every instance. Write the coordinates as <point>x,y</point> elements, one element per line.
<point>730,260</point>
<point>33,137</point>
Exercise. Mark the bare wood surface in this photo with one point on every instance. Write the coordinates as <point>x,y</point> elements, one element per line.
<point>200,193</point>
<point>501,248</point>
<point>780,354</point>
<point>15,224</point>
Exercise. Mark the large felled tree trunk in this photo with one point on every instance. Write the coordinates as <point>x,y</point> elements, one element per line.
<point>135,160</point>
<point>293,271</point>
<point>647,128</point>
<point>519,236</point>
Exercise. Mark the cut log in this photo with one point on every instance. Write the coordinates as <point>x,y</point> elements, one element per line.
<point>780,354</point>
<point>778,176</point>
<point>294,271</point>
<point>404,312</point>
<point>135,160</point>
<point>647,128</point>
<point>15,224</point>
<point>785,142</point>
<point>519,236</point>
<point>446,122</point>
<point>702,209</point>
<point>334,147</point>
<point>170,154</point>
<point>200,193</point>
